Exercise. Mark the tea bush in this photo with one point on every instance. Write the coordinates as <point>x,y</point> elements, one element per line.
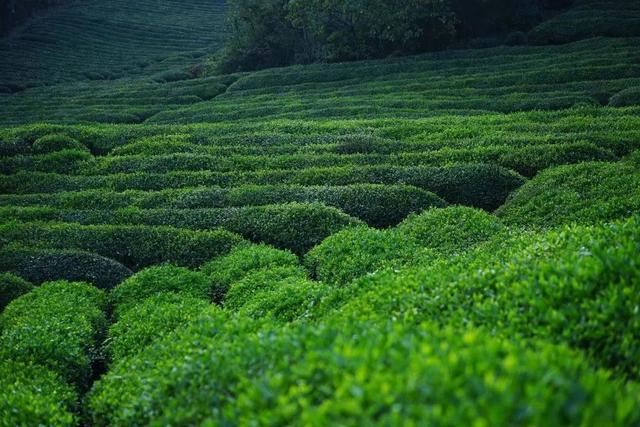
<point>577,285</point>
<point>242,260</point>
<point>156,280</point>
<point>11,287</point>
<point>291,299</point>
<point>450,230</point>
<point>57,325</point>
<point>355,252</point>
<point>586,193</point>
<point>33,395</point>
<point>134,246</point>
<point>150,319</point>
<point>357,373</point>
<point>56,142</point>
<point>46,265</point>
<point>265,279</point>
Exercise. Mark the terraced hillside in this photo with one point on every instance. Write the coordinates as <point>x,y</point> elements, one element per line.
<point>91,40</point>
<point>447,239</point>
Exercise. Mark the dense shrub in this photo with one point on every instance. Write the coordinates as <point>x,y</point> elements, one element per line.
<point>11,287</point>
<point>64,161</point>
<point>528,161</point>
<point>290,299</point>
<point>33,395</point>
<point>56,325</point>
<point>265,279</point>
<point>626,97</point>
<point>355,252</point>
<point>584,193</point>
<point>156,280</point>
<point>46,265</point>
<point>482,186</point>
<point>242,260</point>
<point>134,246</point>
<point>576,285</point>
<point>149,320</point>
<point>368,202</point>
<point>293,226</point>
<point>356,373</point>
<point>450,230</point>
<point>56,142</point>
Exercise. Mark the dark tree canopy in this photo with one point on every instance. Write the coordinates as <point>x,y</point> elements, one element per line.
<point>282,32</point>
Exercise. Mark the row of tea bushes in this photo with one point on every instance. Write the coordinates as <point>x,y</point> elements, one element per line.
<point>355,372</point>
<point>133,246</point>
<point>527,160</point>
<point>45,265</point>
<point>480,185</point>
<point>368,202</point>
<point>293,226</point>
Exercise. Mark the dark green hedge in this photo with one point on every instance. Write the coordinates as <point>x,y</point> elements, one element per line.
<point>11,287</point>
<point>57,325</point>
<point>294,226</point>
<point>134,246</point>
<point>368,202</point>
<point>45,265</point>
<point>156,280</point>
<point>480,185</point>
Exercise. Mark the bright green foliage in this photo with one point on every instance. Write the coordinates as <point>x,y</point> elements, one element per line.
<point>265,279</point>
<point>291,299</point>
<point>155,280</point>
<point>357,373</point>
<point>586,193</point>
<point>134,246</point>
<point>577,285</point>
<point>355,252</point>
<point>32,395</point>
<point>150,320</point>
<point>46,265</point>
<point>56,142</point>
<point>11,287</point>
<point>57,325</point>
<point>241,261</point>
<point>450,230</point>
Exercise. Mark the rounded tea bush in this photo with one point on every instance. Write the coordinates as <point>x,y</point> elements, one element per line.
<point>159,279</point>
<point>57,325</point>
<point>46,265</point>
<point>56,142</point>
<point>11,287</point>
<point>586,193</point>
<point>452,229</point>
<point>290,299</point>
<point>256,281</point>
<point>355,252</point>
<point>242,260</point>
<point>31,395</point>
<point>150,320</point>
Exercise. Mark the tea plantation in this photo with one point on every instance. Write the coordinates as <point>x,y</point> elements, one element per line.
<point>446,239</point>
